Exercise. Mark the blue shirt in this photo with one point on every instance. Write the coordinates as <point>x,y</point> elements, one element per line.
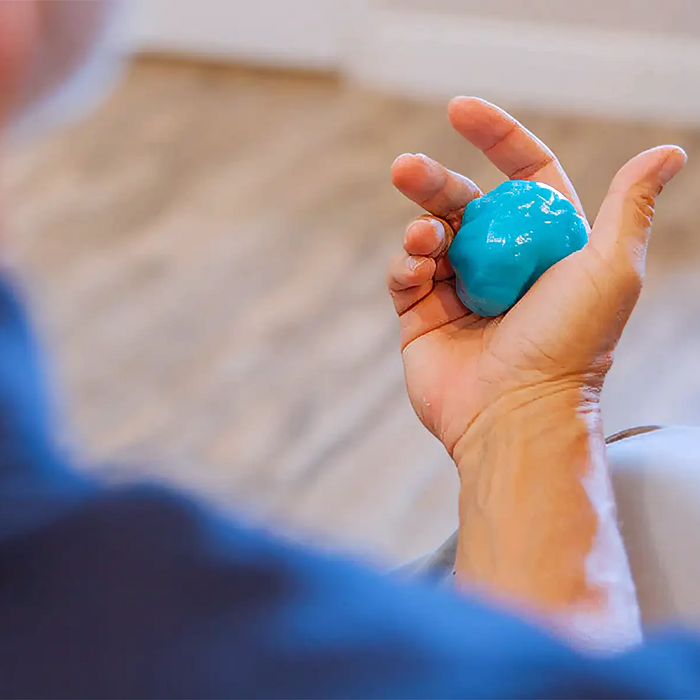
<point>141,592</point>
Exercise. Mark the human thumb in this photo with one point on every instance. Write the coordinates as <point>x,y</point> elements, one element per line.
<point>624,222</point>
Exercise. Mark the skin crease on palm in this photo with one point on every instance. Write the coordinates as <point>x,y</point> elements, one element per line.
<point>562,334</point>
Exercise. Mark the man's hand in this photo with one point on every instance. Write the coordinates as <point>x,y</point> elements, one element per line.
<point>562,334</point>
<point>515,398</point>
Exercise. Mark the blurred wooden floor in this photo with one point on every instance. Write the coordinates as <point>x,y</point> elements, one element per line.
<point>206,255</point>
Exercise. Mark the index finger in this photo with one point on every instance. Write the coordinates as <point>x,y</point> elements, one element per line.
<point>431,185</point>
<point>514,150</point>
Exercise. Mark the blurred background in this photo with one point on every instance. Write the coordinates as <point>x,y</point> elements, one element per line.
<point>206,252</point>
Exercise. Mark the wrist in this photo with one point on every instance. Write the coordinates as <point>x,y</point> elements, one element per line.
<point>526,415</point>
<point>528,522</point>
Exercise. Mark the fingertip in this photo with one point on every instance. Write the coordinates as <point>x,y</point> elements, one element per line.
<point>655,167</point>
<point>413,262</point>
<point>459,107</point>
<point>417,175</point>
<point>455,102</point>
<point>420,268</point>
<point>674,163</point>
<point>401,163</point>
<point>660,154</point>
<point>464,109</point>
<point>628,210</point>
<point>407,271</point>
<point>402,170</point>
<point>483,124</point>
<point>425,236</point>
<point>462,101</point>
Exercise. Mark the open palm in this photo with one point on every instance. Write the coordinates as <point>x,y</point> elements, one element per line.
<point>564,330</point>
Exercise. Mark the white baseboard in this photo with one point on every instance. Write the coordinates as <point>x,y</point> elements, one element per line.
<point>562,68</point>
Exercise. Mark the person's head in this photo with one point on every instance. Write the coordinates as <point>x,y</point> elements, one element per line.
<point>55,55</point>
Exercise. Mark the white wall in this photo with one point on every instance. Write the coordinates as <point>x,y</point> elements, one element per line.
<point>665,16</point>
<point>634,59</point>
<point>298,33</point>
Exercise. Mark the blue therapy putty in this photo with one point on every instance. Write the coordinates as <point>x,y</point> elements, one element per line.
<point>508,239</point>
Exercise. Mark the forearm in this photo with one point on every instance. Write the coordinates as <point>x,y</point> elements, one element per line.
<point>537,516</point>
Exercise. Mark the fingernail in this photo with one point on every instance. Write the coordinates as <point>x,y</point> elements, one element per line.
<point>440,233</point>
<point>402,156</point>
<point>414,263</point>
<point>673,164</point>
<point>439,229</point>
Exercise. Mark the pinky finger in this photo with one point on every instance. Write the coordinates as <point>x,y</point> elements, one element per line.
<point>407,271</point>
<point>431,237</point>
<point>410,279</point>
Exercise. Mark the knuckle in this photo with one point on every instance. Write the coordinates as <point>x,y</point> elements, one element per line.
<point>623,269</point>
<point>631,274</point>
<point>641,199</point>
<point>627,269</point>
